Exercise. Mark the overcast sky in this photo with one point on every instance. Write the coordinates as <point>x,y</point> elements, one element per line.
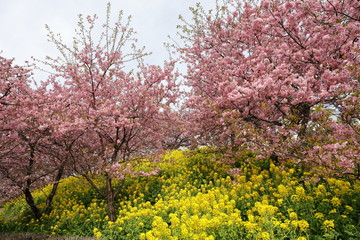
<point>23,33</point>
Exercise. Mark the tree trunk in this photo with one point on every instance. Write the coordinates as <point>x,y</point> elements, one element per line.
<point>30,200</point>
<point>54,188</point>
<point>28,196</point>
<point>304,116</point>
<point>110,198</point>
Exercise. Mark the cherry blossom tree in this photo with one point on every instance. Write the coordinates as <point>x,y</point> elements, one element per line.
<point>277,76</point>
<point>109,117</point>
<point>29,156</point>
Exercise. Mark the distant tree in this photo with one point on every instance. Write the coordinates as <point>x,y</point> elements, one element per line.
<point>109,117</point>
<point>277,76</point>
<point>29,156</point>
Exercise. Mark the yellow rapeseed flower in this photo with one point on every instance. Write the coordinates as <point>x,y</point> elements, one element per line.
<point>283,190</point>
<point>303,225</point>
<point>284,226</point>
<point>328,225</point>
<point>320,190</point>
<point>184,231</point>
<point>336,202</point>
<point>251,227</point>
<point>142,236</point>
<point>333,211</point>
<point>300,191</point>
<point>265,209</point>
<point>349,208</point>
<point>319,215</point>
<point>97,233</point>
<point>264,236</point>
<point>293,216</point>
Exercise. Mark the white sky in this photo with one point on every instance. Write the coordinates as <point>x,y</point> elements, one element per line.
<point>23,34</point>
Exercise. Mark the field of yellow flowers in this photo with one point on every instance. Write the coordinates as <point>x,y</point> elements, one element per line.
<point>195,196</point>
